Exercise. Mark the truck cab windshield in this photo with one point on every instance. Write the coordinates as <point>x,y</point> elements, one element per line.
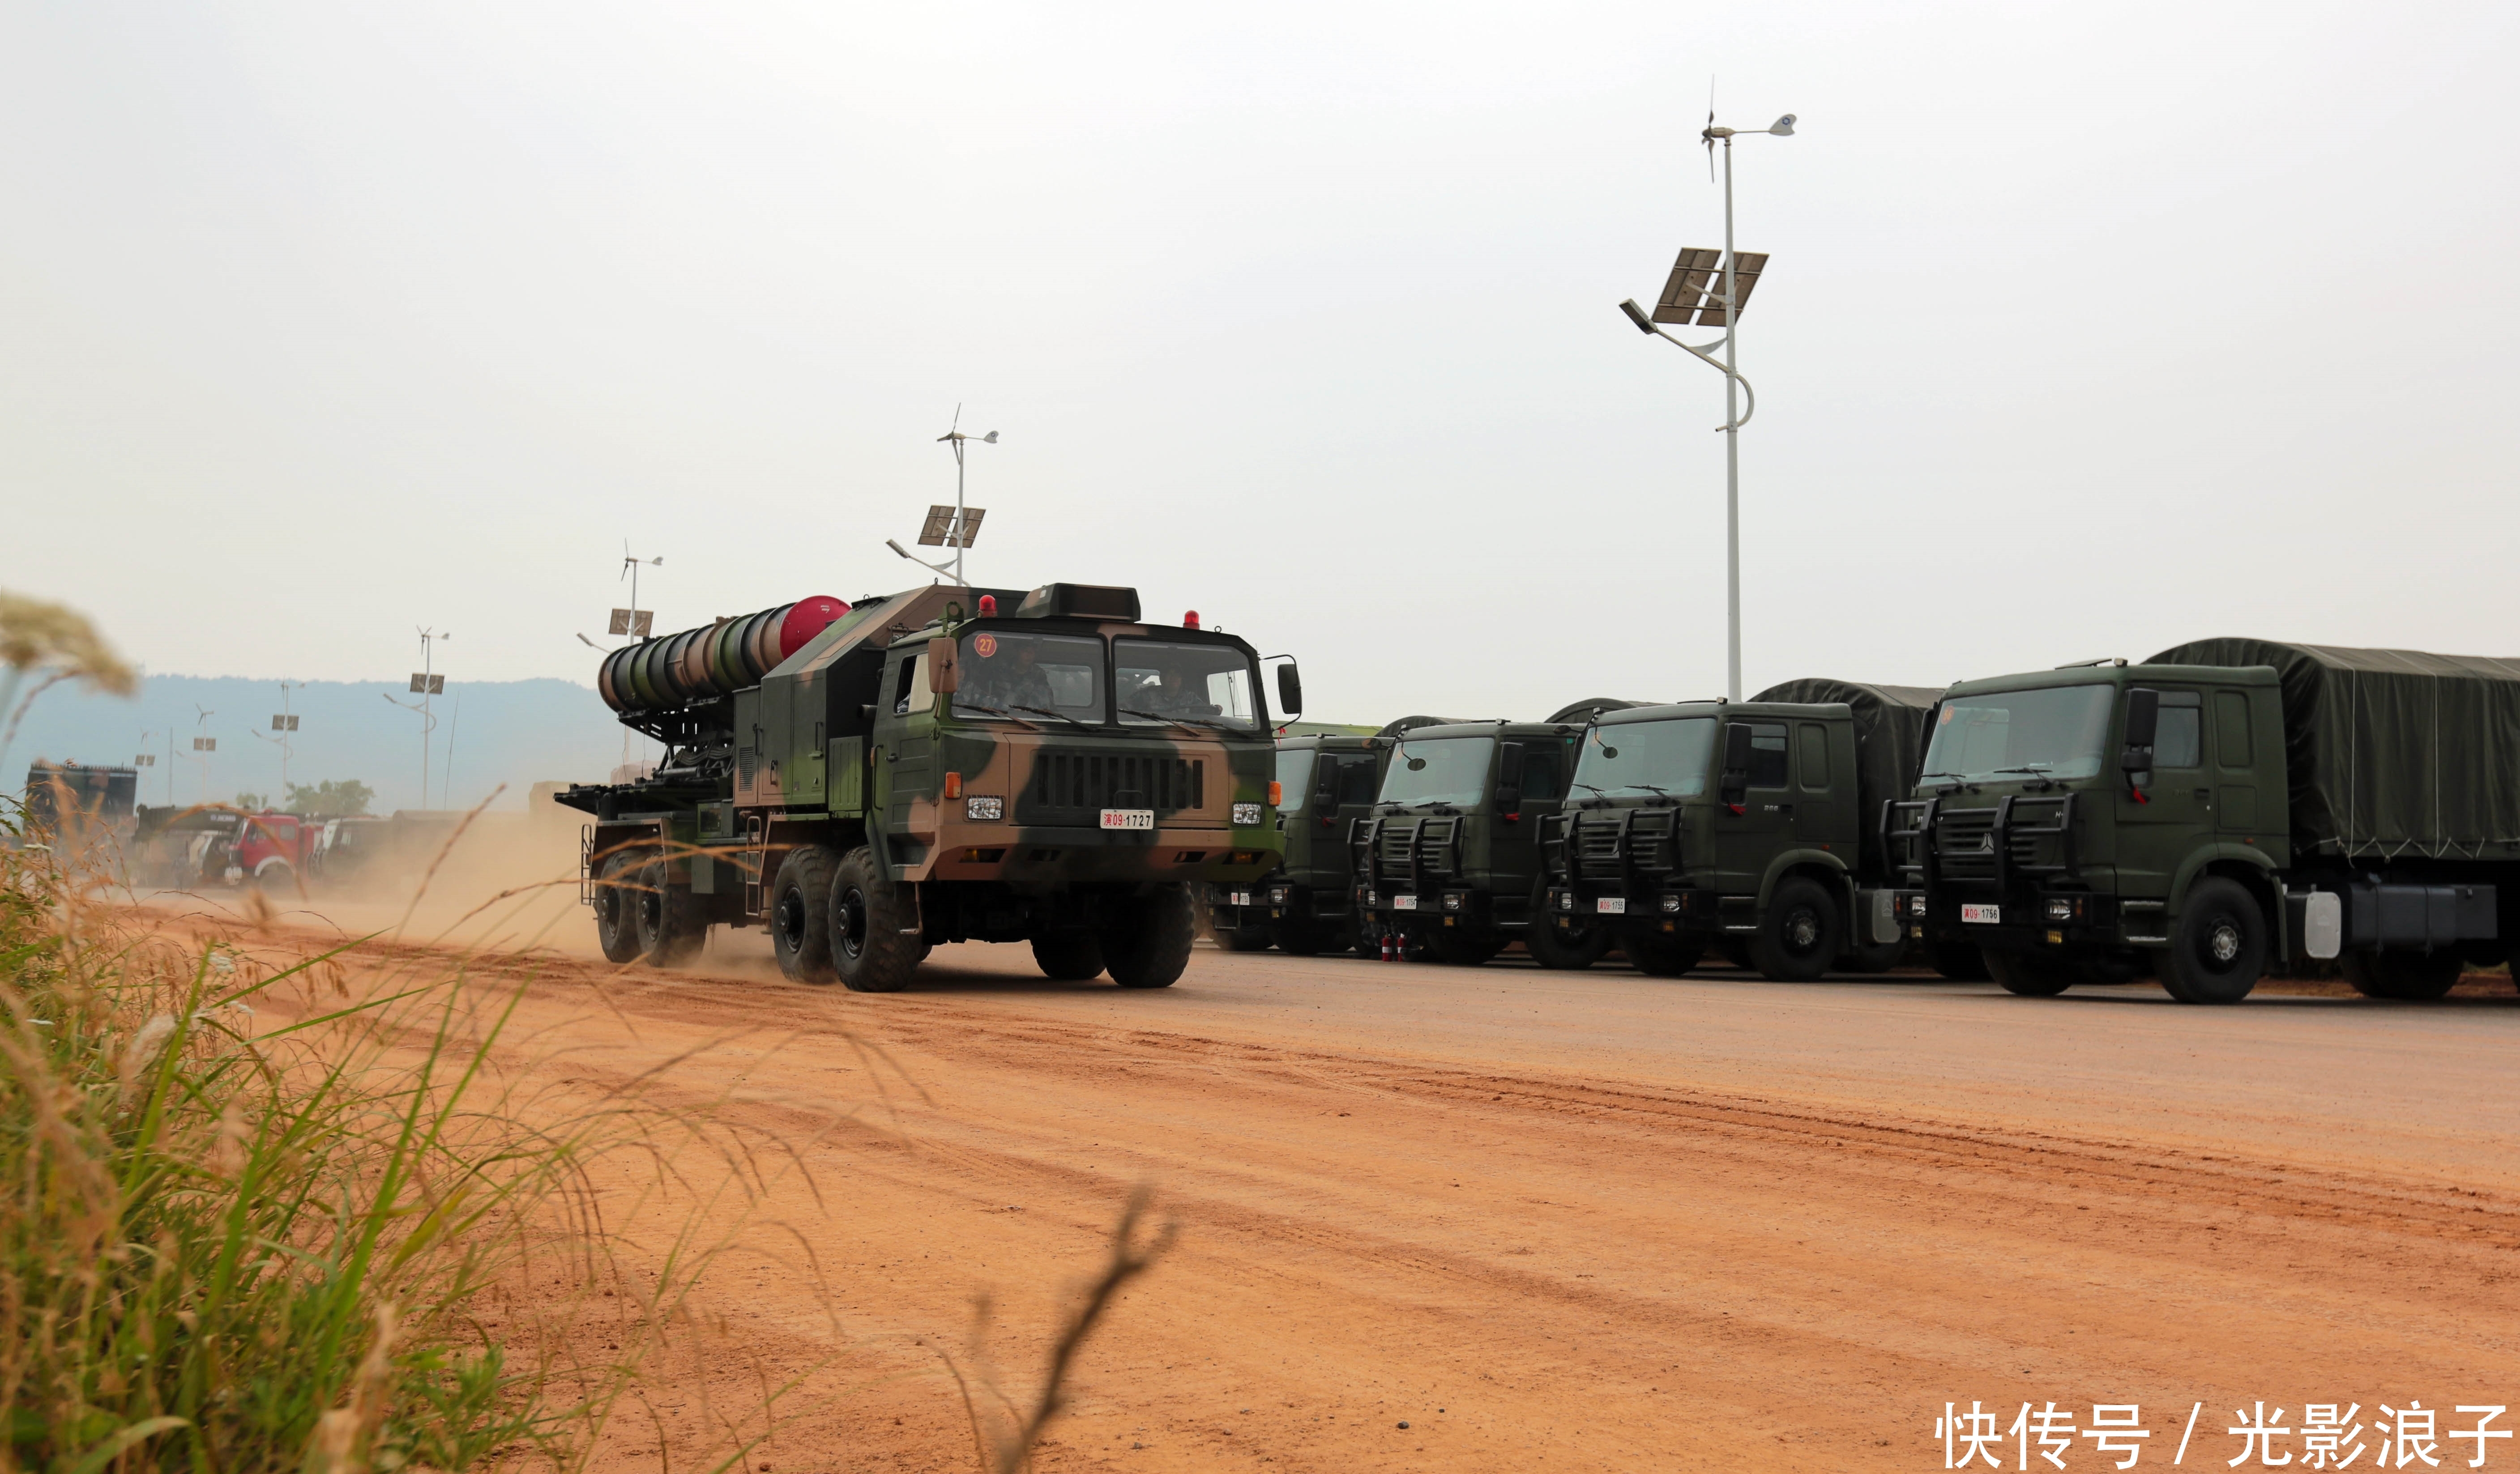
<point>1439,771</point>
<point>2054,732</point>
<point>1202,685</point>
<point>1023,675</point>
<point>1665,759</point>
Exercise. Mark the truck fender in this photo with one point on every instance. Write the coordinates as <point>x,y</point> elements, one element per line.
<point>1797,859</point>
<point>2204,854</point>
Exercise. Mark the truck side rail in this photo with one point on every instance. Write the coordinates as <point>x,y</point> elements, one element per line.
<point>2017,818</point>
<point>1908,839</point>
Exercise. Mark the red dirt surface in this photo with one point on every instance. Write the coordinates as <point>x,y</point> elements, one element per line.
<point>1551,1221</point>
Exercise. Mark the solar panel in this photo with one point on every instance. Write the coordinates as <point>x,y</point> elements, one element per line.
<point>1694,292</point>
<point>940,521</point>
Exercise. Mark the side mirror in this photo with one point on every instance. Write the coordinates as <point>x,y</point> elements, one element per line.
<point>944,670</point>
<point>1291,690</point>
<point>1734,788</point>
<point>1326,785</point>
<point>2143,725</point>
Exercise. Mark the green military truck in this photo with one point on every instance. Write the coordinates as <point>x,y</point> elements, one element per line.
<point>1748,828</point>
<point>1448,863</point>
<point>1308,905</point>
<point>941,764</point>
<point>2226,807</point>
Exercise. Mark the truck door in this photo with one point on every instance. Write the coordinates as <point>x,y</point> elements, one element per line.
<point>1358,777</point>
<point>1744,842</point>
<point>2176,812</point>
<point>905,727</point>
<point>2235,774</point>
<point>1820,811</point>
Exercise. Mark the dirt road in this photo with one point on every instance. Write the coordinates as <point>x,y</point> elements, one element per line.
<point>1497,1219</point>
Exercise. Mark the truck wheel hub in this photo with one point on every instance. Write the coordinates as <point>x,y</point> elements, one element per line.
<point>2223,944</point>
<point>1802,931</point>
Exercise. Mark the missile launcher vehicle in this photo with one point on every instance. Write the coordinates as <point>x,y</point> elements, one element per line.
<point>946,763</point>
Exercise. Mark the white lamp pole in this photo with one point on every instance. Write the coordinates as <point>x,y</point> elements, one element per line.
<point>1736,389</point>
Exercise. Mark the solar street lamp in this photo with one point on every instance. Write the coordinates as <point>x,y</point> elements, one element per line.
<point>957,526</point>
<point>1691,296</point>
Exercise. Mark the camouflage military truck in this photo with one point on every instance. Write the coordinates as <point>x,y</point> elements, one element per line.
<point>941,764</point>
<point>2226,807</point>
<point>1448,863</point>
<point>1749,828</point>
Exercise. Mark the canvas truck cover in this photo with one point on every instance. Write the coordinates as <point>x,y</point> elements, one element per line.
<point>1889,745</point>
<point>2391,752</point>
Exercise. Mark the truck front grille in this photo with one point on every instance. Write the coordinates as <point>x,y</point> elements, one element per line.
<point>1432,840</point>
<point>1610,845</point>
<point>1963,846</point>
<point>1068,783</point>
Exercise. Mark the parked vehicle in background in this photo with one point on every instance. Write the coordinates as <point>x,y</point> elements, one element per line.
<point>2226,807</point>
<point>75,798</point>
<point>1750,827</point>
<point>923,767</point>
<point>272,850</point>
<point>1307,905</point>
<point>1449,862</point>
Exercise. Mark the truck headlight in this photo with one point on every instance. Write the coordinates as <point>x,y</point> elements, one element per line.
<point>1671,903</point>
<point>976,807</point>
<point>1452,902</point>
<point>1246,813</point>
<point>1278,895</point>
<point>1567,899</point>
<point>2064,907</point>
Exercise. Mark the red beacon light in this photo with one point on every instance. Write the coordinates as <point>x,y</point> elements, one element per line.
<point>1190,620</point>
<point>988,607</point>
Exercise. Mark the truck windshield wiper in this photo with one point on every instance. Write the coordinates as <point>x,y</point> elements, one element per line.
<point>1060,715</point>
<point>1157,716</point>
<point>2033,768</point>
<point>996,711</point>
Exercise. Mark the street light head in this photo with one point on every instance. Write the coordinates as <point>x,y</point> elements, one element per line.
<point>1783,126</point>
<point>896,546</point>
<point>1637,315</point>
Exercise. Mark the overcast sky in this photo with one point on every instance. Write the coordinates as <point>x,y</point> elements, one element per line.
<point>2090,328</point>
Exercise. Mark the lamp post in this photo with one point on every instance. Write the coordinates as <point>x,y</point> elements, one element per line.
<point>957,526</point>
<point>1689,292</point>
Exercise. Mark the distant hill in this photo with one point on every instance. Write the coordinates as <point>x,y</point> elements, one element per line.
<point>518,733</point>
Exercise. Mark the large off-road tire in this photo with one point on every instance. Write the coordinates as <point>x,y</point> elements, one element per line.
<point>868,912</point>
<point>1571,950</point>
<point>1251,936</point>
<point>1068,957</point>
<point>1657,954</point>
<point>2409,976</point>
<point>1145,943</point>
<point>616,923</point>
<point>1799,934</point>
<point>1961,962</point>
<point>670,931</point>
<point>2030,974</point>
<point>1463,947</point>
<point>800,913</point>
<point>2217,948</point>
